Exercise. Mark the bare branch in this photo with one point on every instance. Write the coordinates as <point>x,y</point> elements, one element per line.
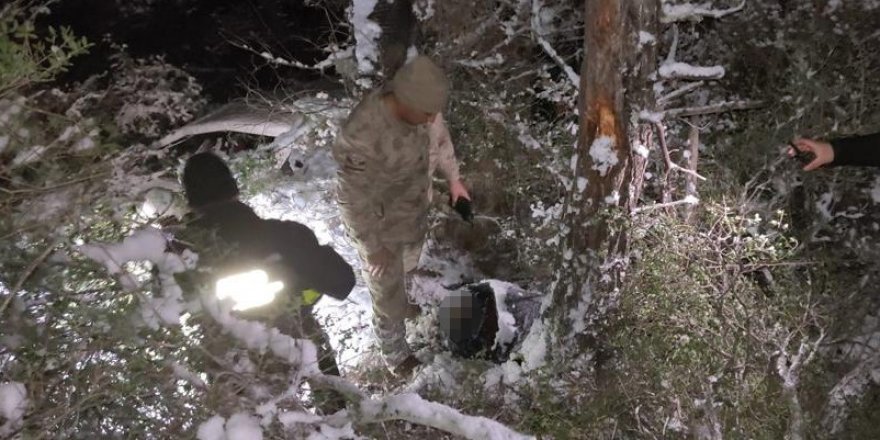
<point>548,49</point>
<point>713,108</point>
<point>687,88</point>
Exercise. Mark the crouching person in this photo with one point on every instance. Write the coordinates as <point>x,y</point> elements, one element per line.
<point>274,270</point>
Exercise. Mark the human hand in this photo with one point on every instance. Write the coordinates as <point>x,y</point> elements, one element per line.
<point>823,151</point>
<point>456,191</point>
<point>379,262</point>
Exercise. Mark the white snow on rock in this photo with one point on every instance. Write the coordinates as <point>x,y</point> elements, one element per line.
<point>603,154</point>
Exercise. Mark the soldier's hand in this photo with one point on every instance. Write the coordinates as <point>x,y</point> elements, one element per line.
<point>378,262</point>
<point>456,191</point>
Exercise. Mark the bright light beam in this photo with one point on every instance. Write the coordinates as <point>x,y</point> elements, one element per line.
<point>248,290</point>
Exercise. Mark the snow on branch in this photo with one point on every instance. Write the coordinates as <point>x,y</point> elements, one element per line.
<point>679,70</point>
<point>538,33</point>
<point>258,336</point>
<point>330,61</point>
<point>146,245</point>
<point>694,12</point>
<point>414,409</point>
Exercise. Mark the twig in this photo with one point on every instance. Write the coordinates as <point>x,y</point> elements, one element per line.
<point>685,201</point>
<point>679,92</point>
<point>24,276</point>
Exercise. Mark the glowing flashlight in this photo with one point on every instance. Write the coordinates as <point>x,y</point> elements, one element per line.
<point>248,289</point>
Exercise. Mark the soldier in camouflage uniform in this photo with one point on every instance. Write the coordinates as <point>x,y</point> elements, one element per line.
<point>386,151</point>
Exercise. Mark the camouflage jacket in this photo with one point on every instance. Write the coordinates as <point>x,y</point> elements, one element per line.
<point>383,178</point>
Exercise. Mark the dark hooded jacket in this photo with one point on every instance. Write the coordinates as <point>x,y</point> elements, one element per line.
<point>288,251</point>
<point>857,150</point>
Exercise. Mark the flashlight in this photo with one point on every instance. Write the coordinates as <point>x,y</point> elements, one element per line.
<point>248,289</point>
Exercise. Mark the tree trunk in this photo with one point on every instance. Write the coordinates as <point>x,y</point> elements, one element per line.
<point>398,25</point>
<point>608,173</point>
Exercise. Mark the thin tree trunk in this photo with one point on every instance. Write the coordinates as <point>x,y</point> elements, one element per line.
<point>614,84</point>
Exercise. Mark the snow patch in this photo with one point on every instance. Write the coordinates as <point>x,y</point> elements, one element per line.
<point>13,404</point>
<point>603,154</point>
<point>212,429</point>
<point>683,70</point>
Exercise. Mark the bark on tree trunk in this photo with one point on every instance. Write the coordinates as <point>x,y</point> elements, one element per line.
<point>399,25</point>
<point>614,85</point>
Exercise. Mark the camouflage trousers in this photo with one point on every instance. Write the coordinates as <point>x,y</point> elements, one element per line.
<point>390,301</point>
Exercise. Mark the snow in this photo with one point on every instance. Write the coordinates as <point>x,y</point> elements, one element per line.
<point>13,404</point>
<point>612,198</point>
<point>874,191</point>
<point>145,245</point>
<point>411,407</point>
<point>603,154</point>
<point>242,426</point>
<point>652,117</point>
<point>366,34</point>
<point>507,328</point>
<point>641,149</point>
<point>646,38</point>
<point>674,70</point>
<point>534,347</point>
<point>290,418</point>
<point>29,155</point>
<point>690,199</point>
<point>212,429</point>
<point>257,336</point>
<point>327,432</point>
<point>184,373</point>
<point>424,9</point>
